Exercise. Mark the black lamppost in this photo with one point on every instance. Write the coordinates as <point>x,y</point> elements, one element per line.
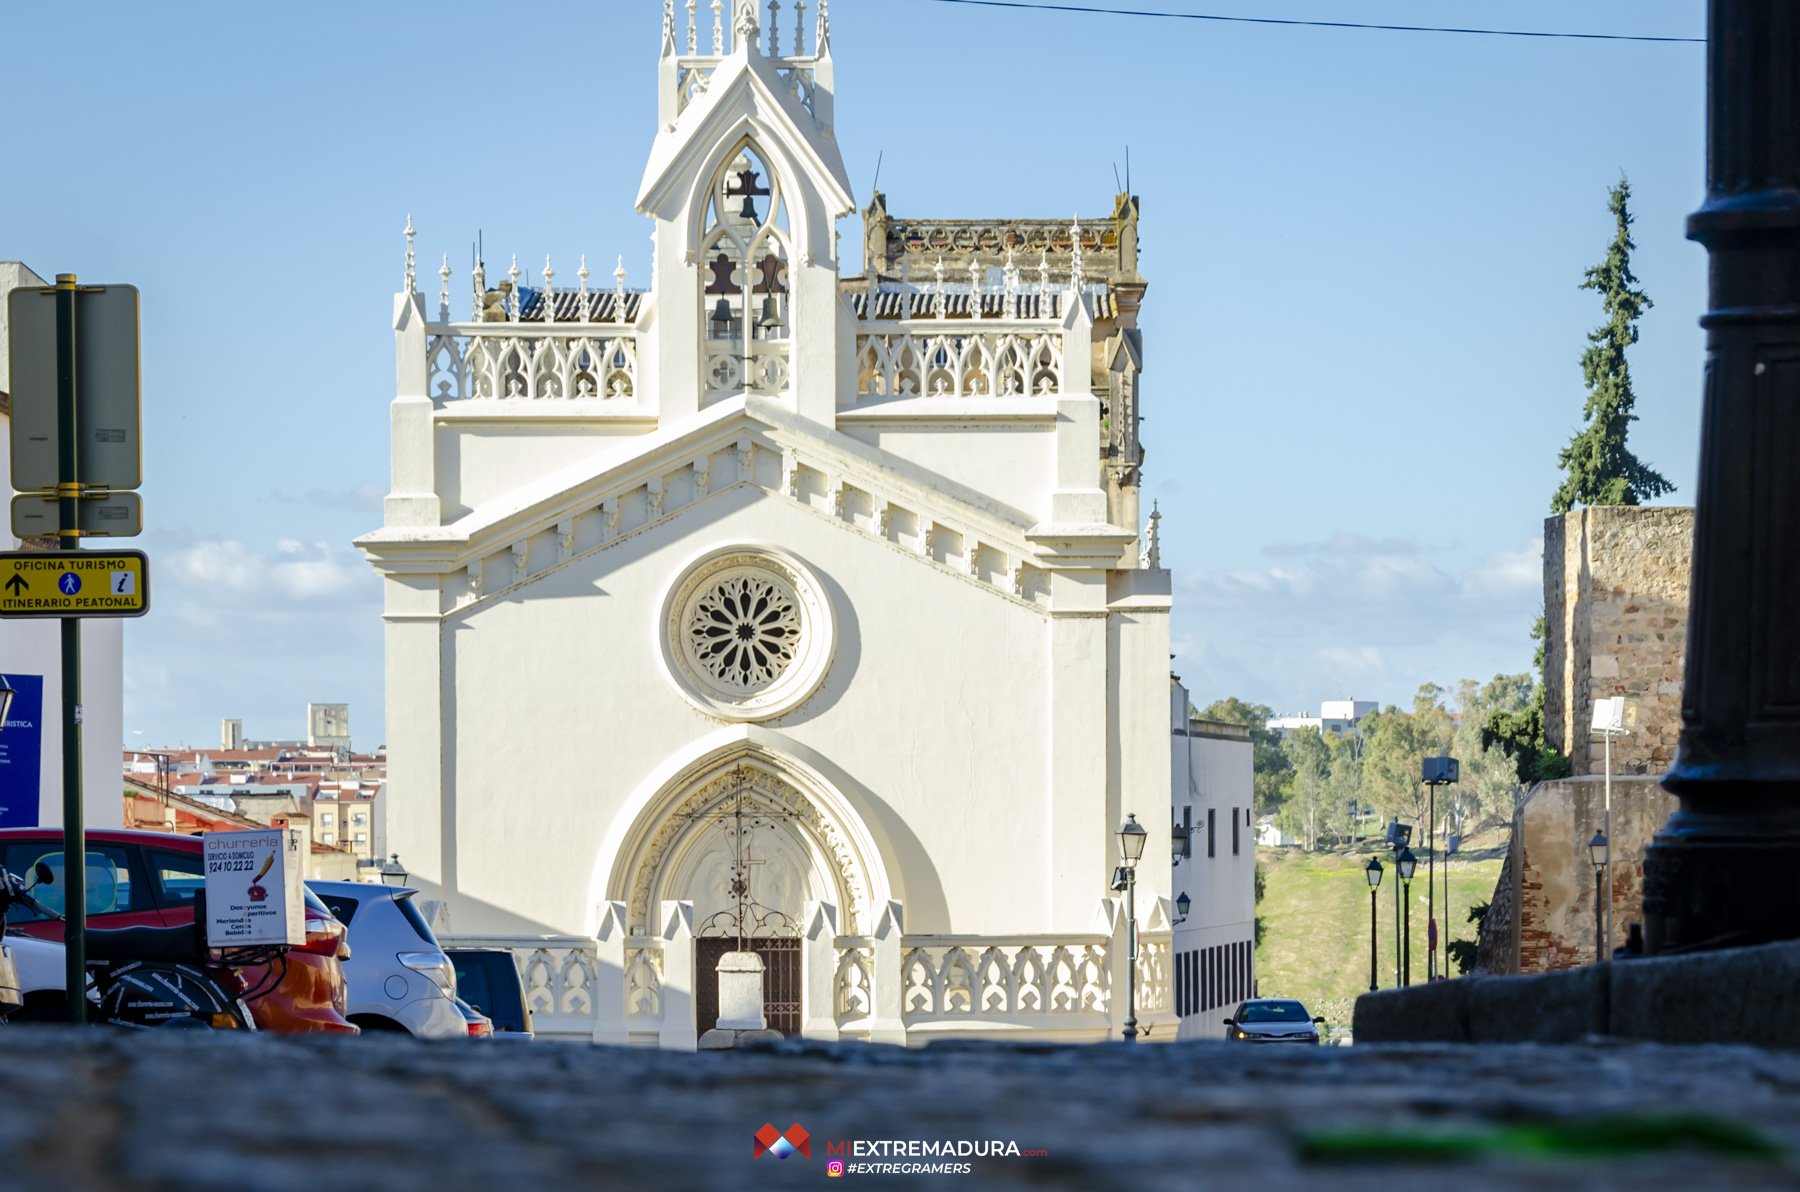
<point>392,872</point>
<point>1373,873</point>
<point>1181,907</point>
<point>1725,869</point>
<point>1406,863</point>
<point>1435,772</point>
<point>1131,847</point>
<point>1599,852</point>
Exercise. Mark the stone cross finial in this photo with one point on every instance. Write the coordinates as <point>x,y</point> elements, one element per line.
<point>822,36</point>
<point>668,26</point>
<point>512,298</point>
<point>774,47</point>
<point>799,28</point>
<point>937,301</point>
<point>1011,308</point>
<point>1045,311</point>
<point>584,302</point>
<point>1152,557</point>
<point>549,303</point>
<point>444,291</point>
<point>976,275</point>
<point>693,37</point>
<point>619,291</point>
<point>412,282</point>
<point>479,279</point>
<point>718,28</point>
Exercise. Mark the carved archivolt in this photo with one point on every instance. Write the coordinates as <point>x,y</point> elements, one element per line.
<point>767,794</point>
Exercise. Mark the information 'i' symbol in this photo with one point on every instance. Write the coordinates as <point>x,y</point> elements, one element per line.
<point>69,584</point>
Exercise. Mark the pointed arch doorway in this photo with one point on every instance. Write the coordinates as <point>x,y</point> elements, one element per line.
<point>750,850</point>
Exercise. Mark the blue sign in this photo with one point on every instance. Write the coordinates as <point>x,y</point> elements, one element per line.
<point>21,747</point>
<point>70,583</point>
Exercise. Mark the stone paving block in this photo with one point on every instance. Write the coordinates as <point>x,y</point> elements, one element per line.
<point>1740,995</point>
<point>115,1112</point>
<point>1432,1013</point>
<point>1543,1008</point>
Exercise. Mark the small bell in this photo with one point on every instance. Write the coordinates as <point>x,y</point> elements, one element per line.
<point>721,318</point>
<point>771,315</point>
<point>749,211</point>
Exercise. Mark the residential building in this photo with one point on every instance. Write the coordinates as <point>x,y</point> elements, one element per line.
<point>1213,947</point>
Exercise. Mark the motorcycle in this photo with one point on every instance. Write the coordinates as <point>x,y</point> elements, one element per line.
<point>137,977</point>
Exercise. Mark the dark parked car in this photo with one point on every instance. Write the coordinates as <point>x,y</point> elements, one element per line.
<point>1272,1020</point>
<point>488,979</point>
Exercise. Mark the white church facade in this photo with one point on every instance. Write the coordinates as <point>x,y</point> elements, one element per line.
<point>780,606</point>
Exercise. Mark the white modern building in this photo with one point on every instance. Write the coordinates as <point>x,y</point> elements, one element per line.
<point>1341,716</point>
<point>1213,945</point>
<point>768,602</point>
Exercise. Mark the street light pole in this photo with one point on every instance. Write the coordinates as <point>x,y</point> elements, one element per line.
<point>1406,864</point>
<point>1373,872</point>
<point>1600,853</point>
<point>1131,847</point>
<point>1725,869</point>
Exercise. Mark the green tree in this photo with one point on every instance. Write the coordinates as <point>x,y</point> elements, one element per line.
<point>1397,744</point>
<point>1518,731</point>
<point>1598,468</point>
<point>1344,789</point>
<point>1272,769</point>
<point>1309,759</point>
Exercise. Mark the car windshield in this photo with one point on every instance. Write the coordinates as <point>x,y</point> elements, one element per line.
<point>1275,1012</point>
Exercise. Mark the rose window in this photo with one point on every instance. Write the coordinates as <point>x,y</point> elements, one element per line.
<point>744,631</point>
<point>747,632</point>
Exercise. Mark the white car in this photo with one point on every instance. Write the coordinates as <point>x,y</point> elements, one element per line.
<point>399,977</point>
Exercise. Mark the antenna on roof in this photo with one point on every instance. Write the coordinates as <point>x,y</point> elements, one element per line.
<point>1116,181</point>
<point>877,185</point>
<point>480,247</point>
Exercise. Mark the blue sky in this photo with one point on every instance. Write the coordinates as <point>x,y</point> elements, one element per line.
<point>1362,330</point>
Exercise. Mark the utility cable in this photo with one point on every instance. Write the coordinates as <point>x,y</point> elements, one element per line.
<point>1194,16</point>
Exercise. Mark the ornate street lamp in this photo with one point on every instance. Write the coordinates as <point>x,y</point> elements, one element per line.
<point>1131,847</point>
<point>1373,872</point>
<point>1600,853</point>
<point>392,872</point>
<point>1181,908</point>
<point>1406,863</point>
<point>1435,772</point>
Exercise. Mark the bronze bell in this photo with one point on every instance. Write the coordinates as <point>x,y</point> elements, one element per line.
<point>749,211</point>
<point>771,315</point>
<point>721,317</point>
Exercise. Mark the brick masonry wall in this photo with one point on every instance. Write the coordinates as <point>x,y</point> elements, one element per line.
<point>1554,900</point>
<point>1615,615</point>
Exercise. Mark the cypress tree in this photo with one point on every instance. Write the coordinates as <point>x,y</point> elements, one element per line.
<point>1598,468</point>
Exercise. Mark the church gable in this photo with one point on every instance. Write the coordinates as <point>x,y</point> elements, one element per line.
<point>496,552</point>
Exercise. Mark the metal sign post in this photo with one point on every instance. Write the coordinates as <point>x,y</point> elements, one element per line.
<point>68,491</point>
<point>75,442</point>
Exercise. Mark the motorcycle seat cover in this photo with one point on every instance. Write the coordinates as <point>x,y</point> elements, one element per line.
<point>145,943</point>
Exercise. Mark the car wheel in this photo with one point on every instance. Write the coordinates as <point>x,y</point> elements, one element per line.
<point>375,1024</point>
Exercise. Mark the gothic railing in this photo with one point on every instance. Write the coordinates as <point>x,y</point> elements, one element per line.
<point>964,358</point>
<point>532,361</point>
<point>1021,981</point>
<point>560,975</point>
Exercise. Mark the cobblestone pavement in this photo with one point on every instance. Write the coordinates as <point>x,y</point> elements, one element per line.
<point>93,1110</point>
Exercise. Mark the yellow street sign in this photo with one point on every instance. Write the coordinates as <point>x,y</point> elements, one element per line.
<point>74,583</point>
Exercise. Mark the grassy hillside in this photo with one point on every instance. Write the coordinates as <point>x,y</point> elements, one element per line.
<point>1316,915</point>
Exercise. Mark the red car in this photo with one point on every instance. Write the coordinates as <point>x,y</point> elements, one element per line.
<point>148,879</point>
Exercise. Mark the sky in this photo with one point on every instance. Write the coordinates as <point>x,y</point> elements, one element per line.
<point>1362,332</point>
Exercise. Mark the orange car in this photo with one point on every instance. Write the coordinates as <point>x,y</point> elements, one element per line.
<point>148,879</point>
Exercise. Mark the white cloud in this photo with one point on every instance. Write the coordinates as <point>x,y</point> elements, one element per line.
<point>224,571</point>
<point>1354,617</point>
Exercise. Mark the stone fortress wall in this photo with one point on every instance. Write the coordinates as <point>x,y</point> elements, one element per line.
<point>1615,619</point>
